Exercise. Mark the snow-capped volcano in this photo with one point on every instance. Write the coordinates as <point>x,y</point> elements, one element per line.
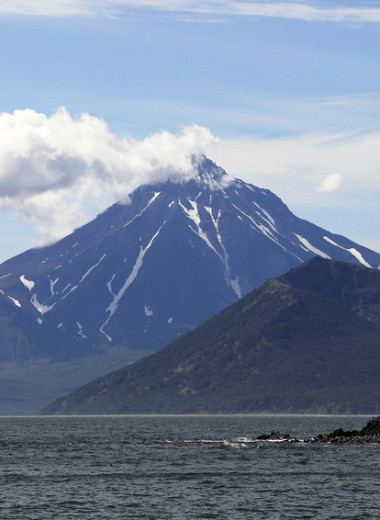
<point>143,273</point>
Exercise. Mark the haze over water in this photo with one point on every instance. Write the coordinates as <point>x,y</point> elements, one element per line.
<point>184,467</point>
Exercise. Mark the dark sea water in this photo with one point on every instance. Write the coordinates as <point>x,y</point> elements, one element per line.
<point>183,468</point>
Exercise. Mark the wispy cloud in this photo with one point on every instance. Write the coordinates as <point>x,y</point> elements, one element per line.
<point>49,8</point>
<point>307,11</point>
<point>366,100</point>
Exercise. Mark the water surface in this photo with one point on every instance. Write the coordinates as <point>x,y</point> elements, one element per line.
<point>184,467</point>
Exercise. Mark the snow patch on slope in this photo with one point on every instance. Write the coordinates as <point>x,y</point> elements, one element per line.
<point>148,311</point>
<point>156,194</point>
<point>351,250</point>
<point>310,247</point>
<point>80,330</point>
<point>40,307</point>
<point>193,214</point>
<point>260,228</point>
<point>29,284</point>
<point>267,217</point>
<point>91,268</point>
<point>16,302</point>
<point>232,282</point>
<point>52,283</point>
<point>109,284</point>
<point>74,288</point>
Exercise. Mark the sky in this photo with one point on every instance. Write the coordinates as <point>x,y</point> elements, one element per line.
<point>99,96</point>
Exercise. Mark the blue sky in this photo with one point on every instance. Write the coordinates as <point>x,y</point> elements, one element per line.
<point>291,90</point>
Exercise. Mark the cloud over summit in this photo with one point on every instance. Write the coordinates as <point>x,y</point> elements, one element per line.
<point>54,169</point>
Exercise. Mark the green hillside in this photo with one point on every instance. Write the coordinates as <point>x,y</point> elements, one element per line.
<point>308,341</point>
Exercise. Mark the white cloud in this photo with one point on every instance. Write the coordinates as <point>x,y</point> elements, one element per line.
<point>330,183</point>
<point>56,171</point>
<point>311,12</point>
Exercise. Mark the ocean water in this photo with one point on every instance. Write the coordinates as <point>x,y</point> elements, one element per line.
<point>185,467</point>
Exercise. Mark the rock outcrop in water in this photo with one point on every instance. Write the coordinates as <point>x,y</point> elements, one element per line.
<point>370,434</point>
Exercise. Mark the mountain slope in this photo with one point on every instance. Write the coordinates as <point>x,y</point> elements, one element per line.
<point>293,345</point>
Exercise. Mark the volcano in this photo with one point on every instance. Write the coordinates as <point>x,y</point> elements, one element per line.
<point>144,273</point>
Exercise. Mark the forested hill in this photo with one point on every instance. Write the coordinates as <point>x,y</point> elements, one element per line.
<point>308,341</point>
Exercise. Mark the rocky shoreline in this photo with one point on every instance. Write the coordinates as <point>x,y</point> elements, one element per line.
<point>370,434</point>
